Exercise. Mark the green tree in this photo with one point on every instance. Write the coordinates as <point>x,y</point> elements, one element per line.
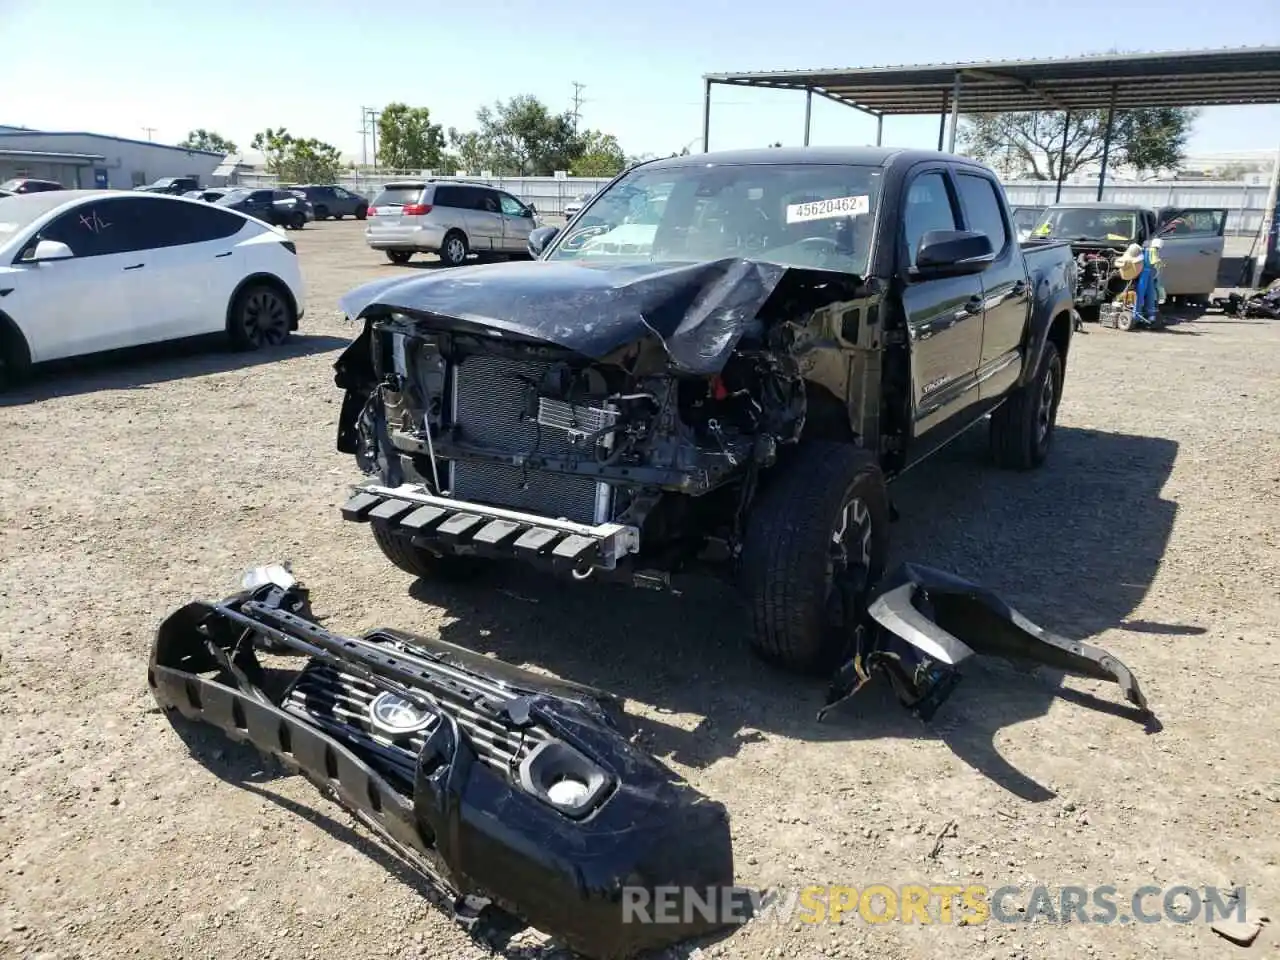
<point>1029,145</point>
<point>408,140</point>
<point>273,144</point>
<point>296,160</point>
<point>468,152</point>
<point>203,139</point>
<point>601,156</point>
<point>523,137</point>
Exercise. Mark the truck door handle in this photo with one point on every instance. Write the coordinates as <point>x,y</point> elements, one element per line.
<point>136,266</point>
<point>973,304</point>
<point>1019,288</point>
<point>221,255</point>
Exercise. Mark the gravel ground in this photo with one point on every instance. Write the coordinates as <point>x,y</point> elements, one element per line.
<point>136,485</point>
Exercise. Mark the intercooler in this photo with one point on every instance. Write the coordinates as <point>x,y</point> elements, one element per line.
<point>492,402</point>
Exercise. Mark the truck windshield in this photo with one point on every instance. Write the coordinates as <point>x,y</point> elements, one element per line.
<point>799,214</point>
<point>1088,223</point>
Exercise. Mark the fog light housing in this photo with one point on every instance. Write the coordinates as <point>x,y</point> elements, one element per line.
<point>564,779</point>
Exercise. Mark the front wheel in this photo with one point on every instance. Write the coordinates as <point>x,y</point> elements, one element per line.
<point>298,221</point>
<point>816,543</point>
<point>1022,427</point>
<point>415,560</point>
<point>362,212</point>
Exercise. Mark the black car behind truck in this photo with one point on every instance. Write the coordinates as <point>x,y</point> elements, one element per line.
<point>331,200</point>
<point>723,359</point>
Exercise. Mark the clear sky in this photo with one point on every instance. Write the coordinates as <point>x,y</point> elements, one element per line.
<point>236,66</point>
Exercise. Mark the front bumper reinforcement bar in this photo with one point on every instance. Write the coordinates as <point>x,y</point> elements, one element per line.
<point>443,523</point>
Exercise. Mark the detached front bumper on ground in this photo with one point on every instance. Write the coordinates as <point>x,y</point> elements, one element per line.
<point>499,786</point>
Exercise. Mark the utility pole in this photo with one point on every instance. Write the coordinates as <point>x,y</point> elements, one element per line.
<point>149,131</point>
<point>364,136</point>
<point>577,103</point>
<point>371,117</point>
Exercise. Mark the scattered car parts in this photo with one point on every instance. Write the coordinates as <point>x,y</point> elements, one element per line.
<point>510,792</point>
<point>923,623</point>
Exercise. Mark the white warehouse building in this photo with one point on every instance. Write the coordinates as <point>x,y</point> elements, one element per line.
<point>96,160</point>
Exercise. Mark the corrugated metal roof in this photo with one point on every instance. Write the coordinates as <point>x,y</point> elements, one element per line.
<point>78,159</point>
<point>1198,78</point>
<point>17,132</point>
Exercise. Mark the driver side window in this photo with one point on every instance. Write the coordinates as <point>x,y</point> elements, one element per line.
<point>928,207</point>
<point>92,230</point>
<point>511,206</point>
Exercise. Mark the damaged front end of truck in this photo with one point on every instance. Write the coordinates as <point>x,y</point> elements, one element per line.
<point>511,793</point>
<point>605,422</point>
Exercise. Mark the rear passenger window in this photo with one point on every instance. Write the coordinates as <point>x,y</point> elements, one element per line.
<point>982,208</point>
<point>488,201</point>
<point>928,207</point>
<point>449,197</point>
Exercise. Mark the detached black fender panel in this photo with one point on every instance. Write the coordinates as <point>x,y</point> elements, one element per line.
<point>923,623</point>
<point>508,791</point>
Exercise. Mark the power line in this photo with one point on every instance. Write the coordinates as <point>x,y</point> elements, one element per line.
<point>148,131</point>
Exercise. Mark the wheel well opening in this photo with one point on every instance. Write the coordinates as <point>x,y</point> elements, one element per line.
<point>1060,334</point>
<point>825,416</point>
<point>266,280</point>
<point>13,345</point>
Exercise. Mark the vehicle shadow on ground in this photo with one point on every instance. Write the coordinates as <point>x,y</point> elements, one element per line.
<point>140,367</point>
<point>1074,547</point>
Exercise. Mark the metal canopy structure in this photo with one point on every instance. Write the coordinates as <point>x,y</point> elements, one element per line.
<point>1203,78</point>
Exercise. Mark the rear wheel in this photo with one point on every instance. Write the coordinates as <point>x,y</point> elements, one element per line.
<point>399,256</point>
<point>322,212</point>
<point>419,562</point>
<point>260,316</point>
<point>1022,427</point>
<point>362,212</point>
<point>298,221</point>
<point>454,249</point>
<point>816,542</point>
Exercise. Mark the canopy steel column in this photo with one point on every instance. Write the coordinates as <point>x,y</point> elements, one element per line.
<point>1062,155</point>
<point>942,121</point>
<point>706,117</point>
<point>879,128</point>
<point>955,115</point>
<point>1106,140</point>
<point>808,113</point>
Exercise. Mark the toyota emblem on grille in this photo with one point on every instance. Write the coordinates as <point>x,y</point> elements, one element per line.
<point>395,715</point>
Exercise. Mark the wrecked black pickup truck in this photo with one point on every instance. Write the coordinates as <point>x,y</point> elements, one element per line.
<point>723,358</point>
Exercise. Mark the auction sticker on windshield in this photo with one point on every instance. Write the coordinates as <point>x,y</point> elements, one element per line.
<point>828,209</point>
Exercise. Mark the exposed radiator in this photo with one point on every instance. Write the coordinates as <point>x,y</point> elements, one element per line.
<point>493,400</point>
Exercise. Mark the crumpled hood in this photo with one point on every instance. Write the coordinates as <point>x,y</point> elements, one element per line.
<point>698,311</point>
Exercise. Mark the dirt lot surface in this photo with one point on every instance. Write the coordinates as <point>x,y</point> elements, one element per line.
<point>140,484</point>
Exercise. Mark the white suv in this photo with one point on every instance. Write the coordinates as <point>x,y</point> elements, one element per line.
<point>449,218</point>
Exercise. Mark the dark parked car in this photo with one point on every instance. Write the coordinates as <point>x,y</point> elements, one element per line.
<point>30,185</point>
<point>331,200</point>
<point>176,186</point>
<point>272,205</point>
<point>210,195</point>
<point>722,357</point>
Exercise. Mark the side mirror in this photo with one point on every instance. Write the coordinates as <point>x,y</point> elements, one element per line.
<point>532,209</point>
<point>952,253</point>
<point>49,250</point>
<point>540,239</point>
